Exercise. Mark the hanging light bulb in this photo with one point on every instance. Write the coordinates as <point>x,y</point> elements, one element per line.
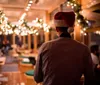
<point>85,34</point>
<point>37,33</point>
<point>68,2</point>
<point>84,29</point>
<point>37,19</point>
<point>30,2</point>
<point>29,5</point>
<point>71,4</point>
<point>75,5</point>
<point>26,9</point>
<point>47,30</point>
<point>41,20</point>
<point>87,21</point>
<point>72,7</point>
<point>79,21</point>
<point>34,31</point>
<point>97,32</point>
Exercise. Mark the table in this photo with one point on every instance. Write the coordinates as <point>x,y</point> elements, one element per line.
<point>2,77</point>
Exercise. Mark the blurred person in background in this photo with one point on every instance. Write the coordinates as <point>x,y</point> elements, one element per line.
<point>6,46</point>
<point>95,58</point>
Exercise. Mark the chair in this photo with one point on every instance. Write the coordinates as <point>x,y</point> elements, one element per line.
<point>29,78</point>
<point>25,66</point>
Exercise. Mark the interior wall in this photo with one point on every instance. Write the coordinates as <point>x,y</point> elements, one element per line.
<point>95,39</point>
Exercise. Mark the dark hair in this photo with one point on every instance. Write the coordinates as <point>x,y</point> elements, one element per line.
<point>62,29</point>
<point>94,48</point>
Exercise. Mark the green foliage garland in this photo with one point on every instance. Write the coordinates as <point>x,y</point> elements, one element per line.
<point>79,17</point>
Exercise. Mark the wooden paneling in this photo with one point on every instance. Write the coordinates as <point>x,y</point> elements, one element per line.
<point>13,2</point>
<point>93,29</point>
<point>89,3</point>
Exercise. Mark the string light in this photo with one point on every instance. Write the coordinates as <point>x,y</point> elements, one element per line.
<point>79,21</point>
<point>72,7</point>
<point>84,29</point>
<point>97,32</point>
<point>29,5</point>
<point>68,2</point>
<point>85,34</point>
<point>71,4</point>
<point>22,17</point>
<point>5,26</point>
<point>37,33</point>
<point>75,5</point>
<point>68,5</point>
<point>30,2</point>
<point>41,20</point>
<point>83,22</point>
<point>26,9</point>
<point>34,31</point>
<point>22,28</point>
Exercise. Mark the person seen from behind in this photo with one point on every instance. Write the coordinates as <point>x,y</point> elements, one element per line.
<point>62,61</point>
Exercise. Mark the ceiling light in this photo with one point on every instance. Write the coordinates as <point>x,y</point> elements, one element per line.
<point>26,9</point>
<point>30,2</point>
<point>29,5</point>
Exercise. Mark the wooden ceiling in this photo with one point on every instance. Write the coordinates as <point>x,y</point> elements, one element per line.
<point>89,7</point>
<point>15,8</point>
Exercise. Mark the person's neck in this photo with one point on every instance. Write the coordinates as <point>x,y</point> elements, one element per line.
<point>64,34</point>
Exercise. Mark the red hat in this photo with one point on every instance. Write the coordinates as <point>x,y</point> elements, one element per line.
<point>64,19</point>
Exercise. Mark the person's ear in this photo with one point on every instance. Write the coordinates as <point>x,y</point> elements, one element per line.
<point>70,29</point>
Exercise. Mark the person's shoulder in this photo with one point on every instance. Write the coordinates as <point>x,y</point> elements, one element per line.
<point>80,44</point>
<point>48,43</point>
<point>54,40</point>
